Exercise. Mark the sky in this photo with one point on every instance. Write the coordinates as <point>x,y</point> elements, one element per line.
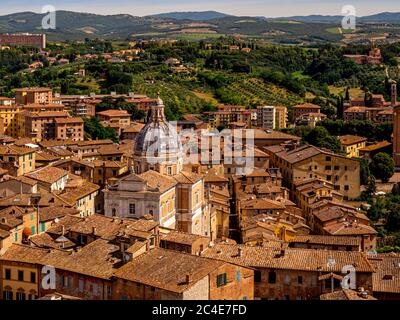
<point>268,8</point>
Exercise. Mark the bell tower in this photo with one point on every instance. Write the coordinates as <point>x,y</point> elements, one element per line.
<point>396,124</point>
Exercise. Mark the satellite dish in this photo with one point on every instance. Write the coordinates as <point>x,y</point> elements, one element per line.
<point>56,220</point>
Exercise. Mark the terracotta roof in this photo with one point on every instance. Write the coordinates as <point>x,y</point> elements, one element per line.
<point>45,156</point>
<point>44,240</point>
<point>81,190</point>
<point>155,179</point>
<point>293,259</point>
<point>53,212</point>
<point>212,175</point>
<point>346,228</point>
<point>134,128</point>
<point>376,146</point>
<point>15,150</point>
<point>48,174</point>
<point>186,177</point>
<point>35,89</point>
<point>261,204</point>
<point>327,240</point>
<point>94,142</point>
<point>26,180</point>
<point>4,234</point>
<point>345,294</point>
<point>181,237</point>
<point>56,143</point>
<point>109,228</point>
<point>113,113</point>
<point>25,200</point>
<point>356,109</point>
<point>349,140</point>
<point>69,120</point>
<point>300,153</point>
<point>167,269</point>
<point>387,275</point>
<point>47,114</point>
<point>93,259</point>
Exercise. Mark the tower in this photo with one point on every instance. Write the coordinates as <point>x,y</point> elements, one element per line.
<point>396,124</point>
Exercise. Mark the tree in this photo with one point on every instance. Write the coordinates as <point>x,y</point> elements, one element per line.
<point>382,166</point>
<point>320,137</point>
<point>347,94</point>
<point>365,172</point>
<point>96,130</point>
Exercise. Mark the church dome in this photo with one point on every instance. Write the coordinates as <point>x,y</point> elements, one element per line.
<point>158,138</point>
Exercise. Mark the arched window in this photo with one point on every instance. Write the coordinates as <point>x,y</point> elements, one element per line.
<point>114,212</point>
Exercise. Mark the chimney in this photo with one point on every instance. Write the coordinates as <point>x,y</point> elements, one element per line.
<point>239,252</point>
<point>94,230</point>
<point>187,278</point>
<point>394,93</point>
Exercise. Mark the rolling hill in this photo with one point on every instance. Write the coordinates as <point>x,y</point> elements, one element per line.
<point>183,25</point>
<point>192,15</point>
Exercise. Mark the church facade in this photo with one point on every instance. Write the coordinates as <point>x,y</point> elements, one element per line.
<point>157,185</point>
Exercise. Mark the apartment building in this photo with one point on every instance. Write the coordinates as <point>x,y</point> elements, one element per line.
<point>308,162</point>
<point>24,96</point>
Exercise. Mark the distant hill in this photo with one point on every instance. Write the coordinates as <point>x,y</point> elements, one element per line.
<point>194,15</point>
<point>78,26</point>
<point>389,17</point>
<point>311,19</point>
<point>385,17</point>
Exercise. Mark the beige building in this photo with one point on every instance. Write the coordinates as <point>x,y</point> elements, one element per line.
<point>18,160</point>
<point>8,112</point>
<point>69,128</point>
<point>26,96</point>
<point>308,162</point>
<point>351,145</point>
<point>135,196</point>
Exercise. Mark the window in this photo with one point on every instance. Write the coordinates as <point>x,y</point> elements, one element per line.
<point>43,227</point>
<point>221,280</point>
<point>328,159</point>
<point>238,276</point>
<point>346,188</point>
<point>300,280</point>
<point>197,197</point>
<point>82,239</point>
<point>33,277</point>
<point>169,171</point>
<point>286,279</point>
<point>20,275</point>
<point>329,178</point>
<point>328,167</point>
<point>7,295</point>
<point>21,296</point>
<point>257,276</point>
<point>132,208</point>
<point>81,285</point>
<point>272,277</point>
<point>65,281</point>
<point>33,230</point>
<point>336,167</point>
<point>8,274</point>
<point>113,212</point>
